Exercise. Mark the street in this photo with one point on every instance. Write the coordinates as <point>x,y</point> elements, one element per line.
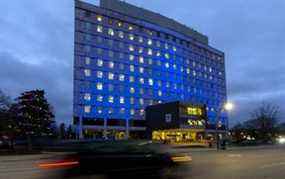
<point>248,163</point>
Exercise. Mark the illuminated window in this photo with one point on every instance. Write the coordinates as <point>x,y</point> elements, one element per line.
<point>87,72</point>
<point>167,65</point>
<point>111,76</point>
<point>122,110</point>
<point>132,112</point>
<point>87,60</point>
<point>141,112</point>
<point>99,18</point>
<point>149,61</point>
<point>141,60</point>
<point>175,86</point>
<point>121,77</point>
<point>174,49</point>
<point>141,69</point>
<point>132,100</point>
<point>132,68</point>
<point>150,82</point>
<point>141,80</point>
<point>99,86</point>
<point>99,63</point>
<point>100,98</point>
<point>141,101</point>
<point>111,99</point>
<point>99,28</point>
<point>140,39</point>
<point>121,34</point>
<point>122,100</point>
<point>131,36</point>
<point>131,57</point>
<point>131,79</point>
<point>140,50</point>
<point>210,69</point>
<point>159,93</point>
<point>166,56</point>
<point>120,24</point>
<point>110,32</point>
<point>132,90</point>
<point>111,64</point>
<point>188,71</point>
<point>99,110</point>
<point>181,69</point>
<point>158,53</point>
<point>87,109</point>
<point>131,48</point>
<point>130,27</point>
<point>194,73</point>
<point>149,51</point>
<point>166,46</point>
<point>99,74</point>
<point>149,42</point>
<point>174,66</point>
<point>87,96</point>
<point>167,84</point>
<point>110,110</point>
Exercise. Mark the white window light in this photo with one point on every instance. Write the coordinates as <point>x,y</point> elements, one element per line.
<point>174,49</point>
<point>149,42</point>
<point>99,28</point>
<point>99,110</point>
<point>141,101</point>
<point>140,39</point>
<point>111,99</point>
<point>131,79</point>
<point>111,32</point>
<point>100,98</point>
<point>141,80</point>
<point>166,46</point>
<point>122,100</point>
<point>99,62</point>
<point>141,112</point>
<point>132,90</point>
<point>149,52</point>
<point>167,65</point>
<point>132,57</point>
<point>141,69</point>
<point>87,72</point>
<point>131,48</point>
<point>121,77</point>
<point>150,82</point>
<point>130,27</point>
<point>99,86</point>
<point>99,74</point>
<point>149,61</point>
<point>131,36</point>
<point>111,64</point>
<point>132,100</point>
<point>132,68</point>
<point>99,18</point>
<point>141,50</point>
<point>132,112</point>
<point>122,110</point>
<point>87,96</point>
<point>87,109</point>
<point>110,110</point>
<point>167,56</point>
<point>158,54</point>
<point>111,76</point>
<point>121,34</point>
<point>87,60</point>
<point>141,59</point>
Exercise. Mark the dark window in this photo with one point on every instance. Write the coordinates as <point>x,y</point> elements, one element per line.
<point>87,13</point>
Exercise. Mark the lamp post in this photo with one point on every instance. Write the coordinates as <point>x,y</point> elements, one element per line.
<point>225,107</point>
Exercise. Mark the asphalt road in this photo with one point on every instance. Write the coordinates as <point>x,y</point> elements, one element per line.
<point>247,163</point>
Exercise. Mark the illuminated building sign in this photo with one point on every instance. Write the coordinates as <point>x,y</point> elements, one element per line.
<point>196,123</point>
<point>194,111</point>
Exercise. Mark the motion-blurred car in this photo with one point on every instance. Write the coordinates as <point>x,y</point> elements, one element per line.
<point>122,160</point>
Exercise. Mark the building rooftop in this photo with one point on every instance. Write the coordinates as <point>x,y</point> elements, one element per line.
<point>152,17</point>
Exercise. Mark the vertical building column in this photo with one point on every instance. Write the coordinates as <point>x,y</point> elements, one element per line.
<point>127,129</point>
<point>80,133</point>
<point>105,129</point>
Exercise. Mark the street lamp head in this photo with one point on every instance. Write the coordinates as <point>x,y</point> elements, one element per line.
<point>228,106</point>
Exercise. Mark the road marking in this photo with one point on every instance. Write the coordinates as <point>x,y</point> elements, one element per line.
<point>272,165</point>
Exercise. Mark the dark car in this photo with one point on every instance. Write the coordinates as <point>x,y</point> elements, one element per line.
<point>122,160</point>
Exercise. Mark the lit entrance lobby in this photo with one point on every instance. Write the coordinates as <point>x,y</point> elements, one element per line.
<point>177,123</point>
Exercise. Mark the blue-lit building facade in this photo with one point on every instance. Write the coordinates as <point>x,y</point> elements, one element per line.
<point>127,58</point>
